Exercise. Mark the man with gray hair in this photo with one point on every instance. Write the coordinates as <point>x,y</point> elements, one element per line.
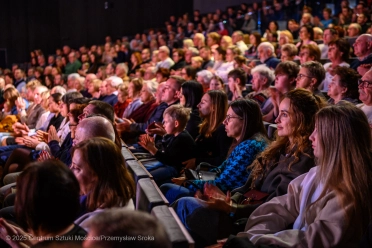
<point>204,77</point>
<point>262,77</point>
<point>165,60</point>
<point>266,55</point>
<point>108,90</point>
<point>363,50</point>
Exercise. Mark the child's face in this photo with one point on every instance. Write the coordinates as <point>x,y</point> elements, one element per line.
<point>169,124</point>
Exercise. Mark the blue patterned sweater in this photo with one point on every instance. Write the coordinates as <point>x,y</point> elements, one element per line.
<point>234,171</point>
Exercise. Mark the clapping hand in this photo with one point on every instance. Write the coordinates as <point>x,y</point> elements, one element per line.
<point>148,143</point>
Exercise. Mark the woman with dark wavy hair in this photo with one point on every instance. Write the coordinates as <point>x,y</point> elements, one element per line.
<point>289,156</point>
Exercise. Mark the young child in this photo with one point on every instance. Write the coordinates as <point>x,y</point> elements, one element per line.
<point>177,145</point>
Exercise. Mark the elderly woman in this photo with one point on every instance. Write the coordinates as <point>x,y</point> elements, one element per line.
<point>344,86</point>
<point>309,52</point>
<point>338,54</point>
<point>262,77</point>
<point>204,77</point>
<point>134,91</point>
<point>147,97</point>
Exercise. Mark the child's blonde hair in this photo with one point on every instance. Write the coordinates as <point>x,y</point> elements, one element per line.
<point>179,113</point>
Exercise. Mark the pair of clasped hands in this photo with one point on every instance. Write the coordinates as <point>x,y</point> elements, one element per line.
<point>33,139</point>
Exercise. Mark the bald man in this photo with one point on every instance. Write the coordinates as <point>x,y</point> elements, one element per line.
<point>95,126</point>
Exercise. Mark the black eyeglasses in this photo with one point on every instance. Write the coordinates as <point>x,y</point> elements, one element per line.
<point>364,83</point>
<point>299,76</point>
<point>228,117</point>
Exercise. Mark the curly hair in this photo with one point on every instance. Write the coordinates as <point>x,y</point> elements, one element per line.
<point>303,107</point>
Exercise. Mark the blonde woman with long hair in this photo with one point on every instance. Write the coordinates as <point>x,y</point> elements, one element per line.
<point>331,205</point>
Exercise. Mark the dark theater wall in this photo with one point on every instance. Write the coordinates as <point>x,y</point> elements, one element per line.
<point>47,24</point>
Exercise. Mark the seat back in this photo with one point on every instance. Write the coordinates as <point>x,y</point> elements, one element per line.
<point>176,231</point>
<point>148,195</point>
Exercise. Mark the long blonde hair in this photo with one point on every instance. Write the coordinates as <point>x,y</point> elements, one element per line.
<point>345,161</point>
<point>303,107</point>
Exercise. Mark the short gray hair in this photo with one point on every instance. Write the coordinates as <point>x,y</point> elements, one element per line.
<point>267,46</point>
<point>152,86</point>
<point>206,75</point>
<point>264,72</point>
<point>115,81</point>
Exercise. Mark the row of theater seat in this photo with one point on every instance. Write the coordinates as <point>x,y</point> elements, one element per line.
<point>150,199</point>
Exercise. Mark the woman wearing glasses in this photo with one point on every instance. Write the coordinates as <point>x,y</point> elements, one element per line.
<point>289,156</point>
<point>244,124</point>
<point>343,86</point>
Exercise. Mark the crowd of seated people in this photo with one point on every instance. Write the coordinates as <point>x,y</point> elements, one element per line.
<point>198,93</point>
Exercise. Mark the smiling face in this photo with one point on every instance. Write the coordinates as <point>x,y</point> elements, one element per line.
<point>205,106</point>
<point>83,173</point>
<point>233,124</point>
<point>284,122</point>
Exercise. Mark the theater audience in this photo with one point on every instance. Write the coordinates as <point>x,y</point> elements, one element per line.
<point>285,159</point>
<point>177,145</point>
<point>244,124</point>
<point>323,211</point>
<point>266,55</point>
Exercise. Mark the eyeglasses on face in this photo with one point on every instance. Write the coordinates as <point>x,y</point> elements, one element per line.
<point>364,83</point>
<point>228,117</point>
<point>299,76</point>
